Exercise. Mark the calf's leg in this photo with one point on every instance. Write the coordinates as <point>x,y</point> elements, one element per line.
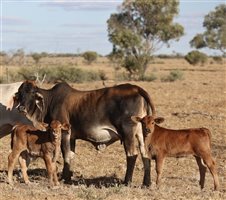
<point>49,167</point>
<point>23,160</point>
<point>202,171</point>
<point>159,165</point>
<point>209,161</point>
<point>55,178</point>
<point>12,158</point>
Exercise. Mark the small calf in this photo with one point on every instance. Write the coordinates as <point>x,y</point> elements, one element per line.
<point>161,142</point>
<point>27,142</point>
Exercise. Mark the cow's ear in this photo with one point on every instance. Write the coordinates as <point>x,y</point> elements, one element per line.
<point>159,120</point>
<point>136,119</point>
<point>66,127</point>
<point>39,100</point>
<point>12,102</point>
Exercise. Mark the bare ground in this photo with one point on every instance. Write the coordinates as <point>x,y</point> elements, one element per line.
<point>199,100</point>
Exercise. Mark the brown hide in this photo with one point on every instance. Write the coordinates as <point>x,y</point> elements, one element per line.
<point>28,142</point>
<point>162,142</point>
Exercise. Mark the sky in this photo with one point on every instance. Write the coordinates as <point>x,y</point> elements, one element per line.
<point>73,26</point>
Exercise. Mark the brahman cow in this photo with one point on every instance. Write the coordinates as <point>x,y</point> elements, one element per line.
<point>161,142</point>
<point>7,92</point>
<point>99,116</point>
<point>9,116</point>
<point>29,143</point>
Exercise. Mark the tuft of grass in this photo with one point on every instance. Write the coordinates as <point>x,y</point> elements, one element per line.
<point>173,76</point>
<point>149,78</point>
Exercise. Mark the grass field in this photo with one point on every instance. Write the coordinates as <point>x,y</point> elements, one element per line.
<point>197,100</point>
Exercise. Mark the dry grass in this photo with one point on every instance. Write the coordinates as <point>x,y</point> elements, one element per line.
<point>199,100</point>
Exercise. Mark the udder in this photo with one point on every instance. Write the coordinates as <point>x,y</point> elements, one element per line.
<point>101,137</point>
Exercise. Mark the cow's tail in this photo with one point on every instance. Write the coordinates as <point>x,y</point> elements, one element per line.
<point>5,130</point>
<point>149,101</point>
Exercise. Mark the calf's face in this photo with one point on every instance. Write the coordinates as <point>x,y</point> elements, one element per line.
<point>148,123</point>
<point>56,127</point>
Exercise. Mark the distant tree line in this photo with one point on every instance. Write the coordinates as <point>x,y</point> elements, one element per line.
<point>139,29</point>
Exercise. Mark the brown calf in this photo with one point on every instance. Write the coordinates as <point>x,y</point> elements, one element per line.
<point>28,142</point>
<point>161,142</point>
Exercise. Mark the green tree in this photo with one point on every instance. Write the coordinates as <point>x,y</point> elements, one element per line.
<point>141,28</point>
<point>214,37</point>
<point>90,56</point>
<point>36,57</point>
<point>196,57</point>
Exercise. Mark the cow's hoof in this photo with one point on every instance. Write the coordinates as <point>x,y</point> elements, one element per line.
<point>67,177</point>
<point>128,184</point>
<point>144,186</point>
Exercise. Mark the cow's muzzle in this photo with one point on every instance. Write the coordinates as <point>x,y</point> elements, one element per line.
<point>22,109</point>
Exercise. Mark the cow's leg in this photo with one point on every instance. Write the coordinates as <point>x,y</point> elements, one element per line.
<point>131,155</point>
<point>202,171</point>
<point>72,144</point>
<point>23,160</point>
<point>66,149</point>
<point>147,171</point>
<point>145,157</point>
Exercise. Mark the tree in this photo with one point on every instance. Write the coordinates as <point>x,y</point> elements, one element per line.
<point>21,56</point>
<point>90,56</point>
<point>36,57</point>
<point>196,57</point>
<point>214,37</point>
<point>141,28</point>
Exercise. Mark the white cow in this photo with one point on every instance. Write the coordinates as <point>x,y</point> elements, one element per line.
<point>8,117</point>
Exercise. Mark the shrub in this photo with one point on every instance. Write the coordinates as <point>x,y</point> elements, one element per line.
<point>36,57</point>
<point>218,59</point>
<point>102,75</point>
<point>53,74</point>
<point>173,76</point>
<point>149,78</point>
<point>90,56</point>
<point>196,57</point>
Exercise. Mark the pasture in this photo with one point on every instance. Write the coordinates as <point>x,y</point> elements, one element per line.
<point>197,100</point>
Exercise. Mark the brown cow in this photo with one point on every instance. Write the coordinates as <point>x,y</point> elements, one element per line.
<point>100,116</point>
<point>28,142</point>
<point>161,142</point>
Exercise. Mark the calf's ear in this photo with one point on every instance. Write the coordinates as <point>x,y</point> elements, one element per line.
<point>66,127</point>
<point>159,120</point>
<point>39,101</point>
<point>135,119</point>
<point>41,126</point>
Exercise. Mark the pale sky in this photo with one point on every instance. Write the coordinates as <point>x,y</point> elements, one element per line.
<point>70,26</point>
